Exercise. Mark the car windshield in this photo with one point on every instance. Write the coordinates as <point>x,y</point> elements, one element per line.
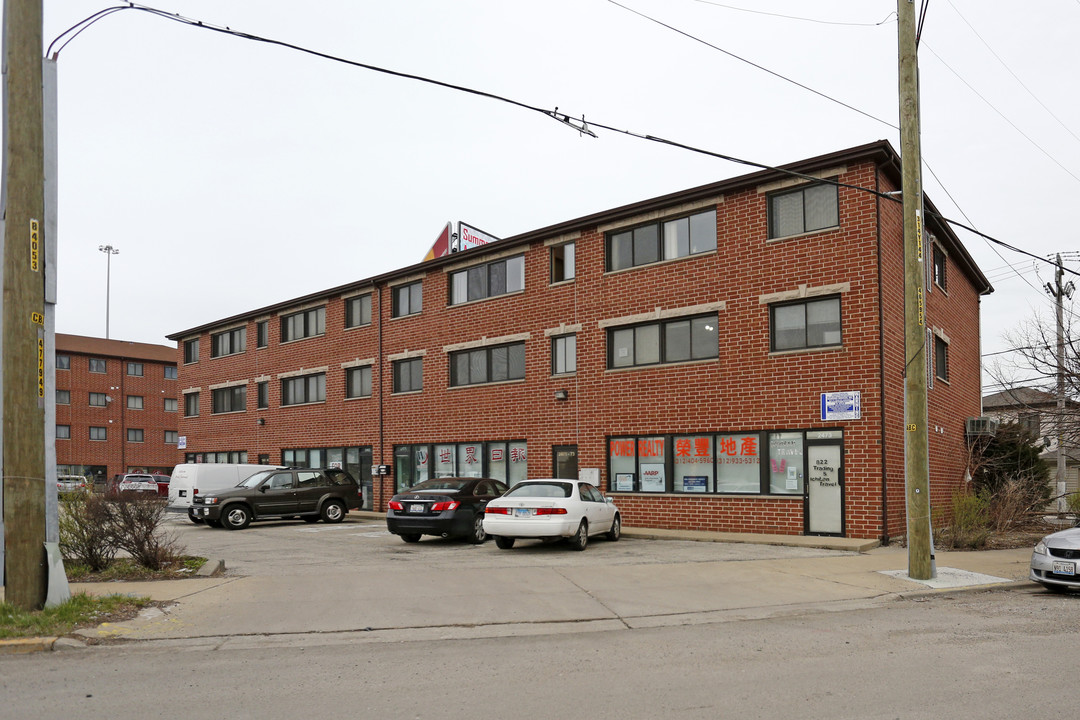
<point>541,489</point>
<point>450,484</point>
<point>255,479</point>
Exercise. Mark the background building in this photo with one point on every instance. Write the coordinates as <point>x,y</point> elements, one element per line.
<point>116,407</point>
<point>729,357</point>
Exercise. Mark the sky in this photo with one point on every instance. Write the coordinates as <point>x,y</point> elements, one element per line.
<point>234,174</point>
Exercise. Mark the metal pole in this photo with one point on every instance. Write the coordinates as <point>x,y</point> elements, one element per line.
<point>109,251</point>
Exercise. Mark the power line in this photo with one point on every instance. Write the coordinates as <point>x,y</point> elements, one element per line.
<point>888,17</point>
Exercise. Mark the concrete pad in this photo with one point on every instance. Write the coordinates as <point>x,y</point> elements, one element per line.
<point>949,578</point>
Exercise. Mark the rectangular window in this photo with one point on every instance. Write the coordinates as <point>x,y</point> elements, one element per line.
<point>805,324</point>
<point>563,354</point>
<point>135,369</point>
<point>488,280</point>
<point>358,311</point>
<point>135,402</point>
<point>262,392</point>
<point>63,432</point>
<point>496,363</point>
<point>262,333</point>
<point>738,463</point>
<point>941,358</point>
<point>170,404</point>
<point>562,263</point>
<point>409,375</point>
<point>940,259</point>
<point>63,397</point>
<point>358,382</point>
<point>135,435</point>
<point>303,389</point>
<point>806,209</point>
<point>97,365</point>
<point>98,399</point>
<point>191,351</point>
<point>408,299</point>
<point>229,342</point>
<point>693,463</point>
<point>63,362</point>
<point>309,323</point>
<point>230,399</point>
<point>786,450</point>
<point>665,240</point>
<point>170,372</point>
<point>678,340</point>
<point>98,433</point>
<point>172,437</point>
<point>191,404</point>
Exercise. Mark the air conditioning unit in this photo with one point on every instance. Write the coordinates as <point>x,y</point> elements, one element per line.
<point>981,426</point>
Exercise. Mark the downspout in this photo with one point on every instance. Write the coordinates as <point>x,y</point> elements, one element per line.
<point>379,356</point>
<point>881,366</point>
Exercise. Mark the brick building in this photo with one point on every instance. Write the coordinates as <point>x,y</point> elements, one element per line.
<point>116,407</point>
<point>682,351</point>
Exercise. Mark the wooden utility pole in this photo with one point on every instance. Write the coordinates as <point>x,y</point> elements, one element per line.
<point>23,330</point>
<point>916,460</point>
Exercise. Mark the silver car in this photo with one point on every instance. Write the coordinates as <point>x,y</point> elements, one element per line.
<point>1055,559</point>
<point>71,483</point>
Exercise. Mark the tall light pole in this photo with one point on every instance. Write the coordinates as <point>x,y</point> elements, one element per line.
<point>109,251</point>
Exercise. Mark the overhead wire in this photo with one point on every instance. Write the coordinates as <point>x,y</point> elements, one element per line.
<point>804,19</point>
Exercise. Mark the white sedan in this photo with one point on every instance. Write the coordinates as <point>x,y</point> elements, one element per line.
<point>550,509</point>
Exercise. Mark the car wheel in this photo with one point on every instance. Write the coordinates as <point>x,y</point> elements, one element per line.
<point>333,512</point>
<point>411,537</point>
<point>311,518</point>
<point>213,523</point>
<point>236,517</point>
<point>504,543</point>
<point>478,535</point>
<point>580,539</point>
<point>194,518</point>
<point>616,529</point>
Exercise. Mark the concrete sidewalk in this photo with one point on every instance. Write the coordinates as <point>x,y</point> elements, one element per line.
<point>397,604</point>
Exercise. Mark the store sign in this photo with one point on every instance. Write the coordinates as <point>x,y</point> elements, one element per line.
<point>841,405</point>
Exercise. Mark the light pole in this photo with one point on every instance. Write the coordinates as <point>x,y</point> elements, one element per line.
<point>109,251</point>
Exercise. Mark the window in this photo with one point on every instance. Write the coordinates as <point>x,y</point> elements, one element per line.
<point>496,363</point>
<point>262,333</point>
<point>191,404</point>
<point>63,362</point>
<point>303,389</point>
<point>563,354</point>
<point>98,399</point>
<point>358,311</point>
<point>1030,423</point>
<point>135,435</point>
<point>172,437</point>
<point>809,208</point>
<point>665,240</point>
<point>488,280</point>
<point>230,399</point>
<point>805,324</point>
<point>170,372</point>
<point>358,382</point>
<point>408,299</point>
<point>135,369</point>
<point>679,340</point>
<point>262,394</point>
<point>229,342</point>
<point>562,263</point>
<point>409,375</point>
<point>63,397</point>
<point>308,323</point>
<point>170,404</point>
<point>97,365</point>
<point>135,402</point>
<point>191,351</point>
<point>940,259</point>
<point>63,432</point>
<point>98,433</point>
<point>786,450</point>
<point>941,358</point>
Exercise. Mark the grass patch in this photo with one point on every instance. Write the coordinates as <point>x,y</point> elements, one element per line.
<point>80,611</point>
<point>129,570</point>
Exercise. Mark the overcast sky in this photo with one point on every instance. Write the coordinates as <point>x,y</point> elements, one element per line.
<point>233,174</point>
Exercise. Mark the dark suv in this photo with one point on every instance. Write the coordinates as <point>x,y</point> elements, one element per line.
<point>308,493</point>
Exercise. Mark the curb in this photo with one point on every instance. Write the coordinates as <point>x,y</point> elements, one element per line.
<point>23,646</point>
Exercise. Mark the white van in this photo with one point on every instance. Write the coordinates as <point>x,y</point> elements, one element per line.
<point>191,479</point>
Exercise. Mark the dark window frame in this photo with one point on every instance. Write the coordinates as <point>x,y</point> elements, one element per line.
<point>135,369</point>
<point>404,297</point>
<point>63,362</point>
<point>104,399</point>
<point>663,352</point>
<point>364,373</point>
<point>941,358</point>
<point>136,435</point>
<point>305,324</point>
<point>303,389</point>
<point>171,375</point>
<point>262,334</point>
<point>65,434</point>
<point>104,433</point>
<point>175,437</point>
<point>191,351</point>
<point>647,242</point>
<point>262,394</point>
<point>98,362</point>
<point>165,405</point>
<point>486,280</point>
<point>228,342</point>
<point>558,354</point>
<point>805,303</point>
<point>415,367</point>
<point>940,267</point>
<point>489,353</point>
<point>563,262</point>
<point>356,305</point>
<point>191,403</point>
<point>228,399</point>
<point>774,232</point>
<point>66,396</point>
<point>136,402</point>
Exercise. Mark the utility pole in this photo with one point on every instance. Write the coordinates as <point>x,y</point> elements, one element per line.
<point>1058,292</point>
<point>109,251</point>
<point>916,459</point>
<point>23,329</point>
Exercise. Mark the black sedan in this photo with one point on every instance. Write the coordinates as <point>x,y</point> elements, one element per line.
<point>447,507</point>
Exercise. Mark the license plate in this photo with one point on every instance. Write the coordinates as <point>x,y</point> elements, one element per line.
<point>183,493</point>
<point>1064,568</point>
<point>417,508</point>
<point>522,512</point>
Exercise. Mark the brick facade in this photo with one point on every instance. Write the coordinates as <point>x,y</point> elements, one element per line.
<point>744,389</point>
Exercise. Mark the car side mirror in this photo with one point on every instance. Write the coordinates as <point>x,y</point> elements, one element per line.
<point>263,488</point>
<point>609,501</point>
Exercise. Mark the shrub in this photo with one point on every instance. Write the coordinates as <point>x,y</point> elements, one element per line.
<point>970,520</point>
<point>87,531</point>
<point>139,531</point>
<point>1072,503</point>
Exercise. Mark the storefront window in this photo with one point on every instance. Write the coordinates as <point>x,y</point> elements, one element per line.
<point>738,467</point>
<point>694,463</point>
<point>519,463</point>
<point>444,461</point>
<point>786,463</point>
<point>470,460</point>
<point>651,464</point>
<point>622,465</point>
